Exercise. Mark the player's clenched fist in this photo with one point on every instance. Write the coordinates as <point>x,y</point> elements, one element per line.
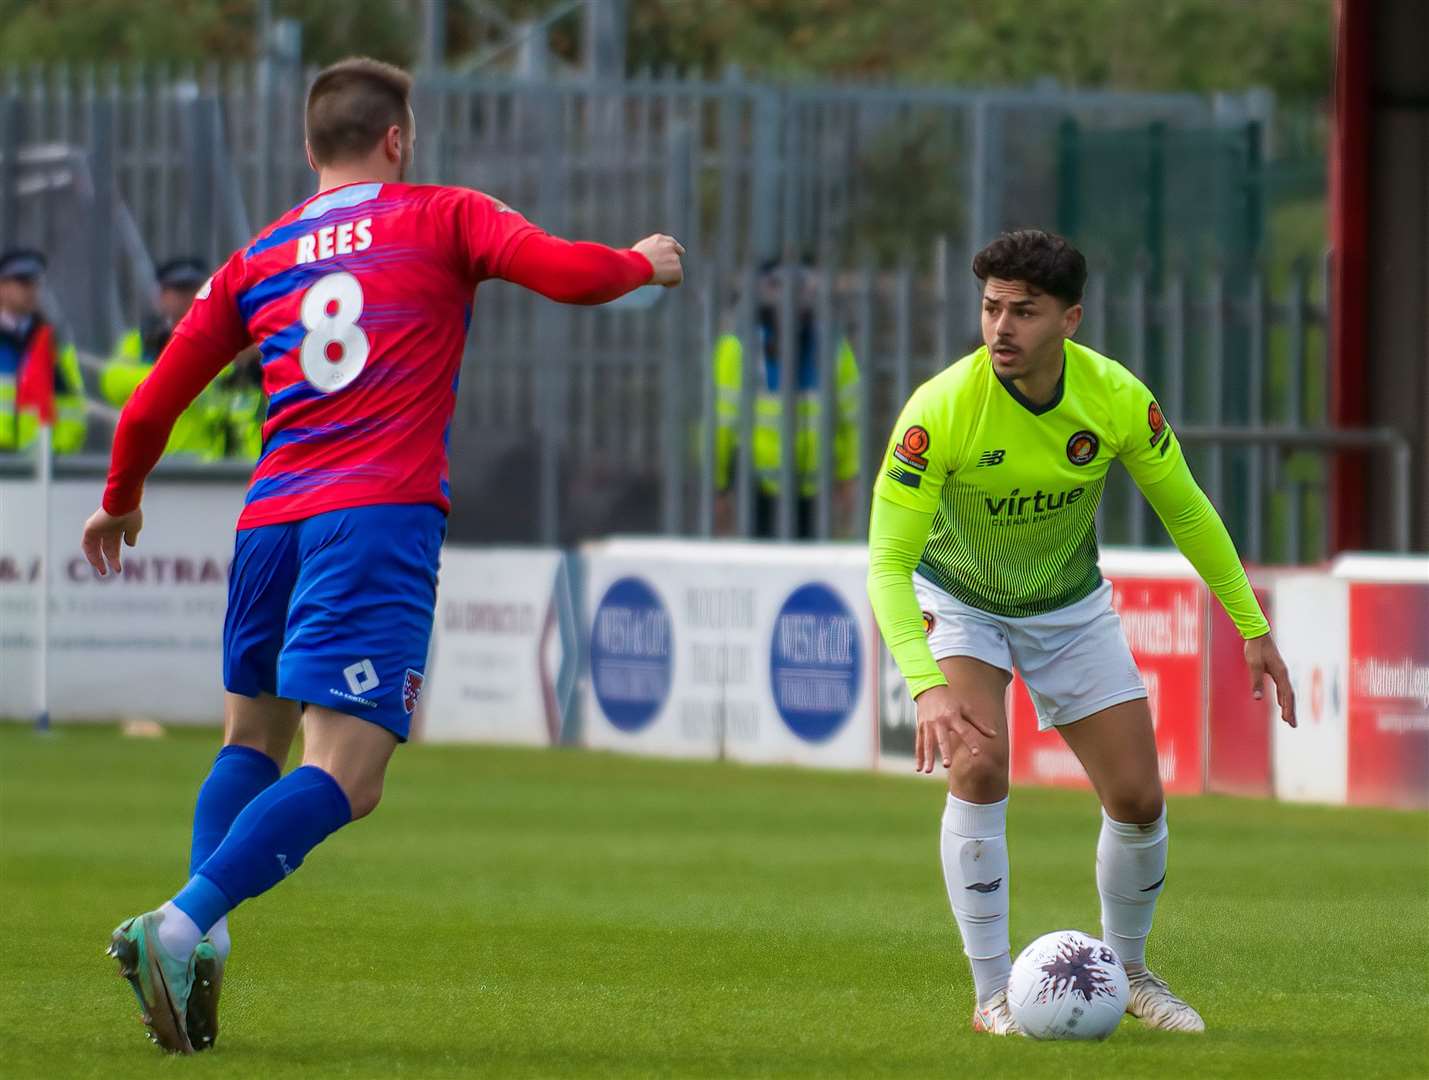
<point>943,722</point>
<point>664,254</point>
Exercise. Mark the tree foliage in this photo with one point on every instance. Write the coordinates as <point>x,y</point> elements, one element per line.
<point>1127,44</point>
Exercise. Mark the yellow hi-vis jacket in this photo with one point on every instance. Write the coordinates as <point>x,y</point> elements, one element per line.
<point>18,430</point>
<point>767,423</point>
<point>223,421</point>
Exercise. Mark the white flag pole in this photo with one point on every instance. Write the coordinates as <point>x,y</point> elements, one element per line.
<point>43,473</point>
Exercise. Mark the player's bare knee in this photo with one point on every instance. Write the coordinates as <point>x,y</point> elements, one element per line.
<point>1135,807</point>
<point>363,796</point>
<point>981,776</point>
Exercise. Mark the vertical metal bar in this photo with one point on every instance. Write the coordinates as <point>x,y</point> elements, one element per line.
<point>1295,346</point>
<point>791,175</point>
<point>552,326</point>
<point>709,302</point>
<point>764,178</point>
<point>200,179</point>
<point>262,121</point>
<point>1136,300</point>
<point>979,197</point>
<point>1295,406</point>
<point>902,335</point>
<point>751,368</point>
<point>942,330</point>
<point>729,159</point>
<point>1294,533</point>
<point>1136,323</point>
<point>863,491</point>
<point>826,340</point>
<point>1096,308</point>
<point>1176,346</point>
<point>1400,478</point>
<point>790,398</point>
<point>103,319</point>
<point>1215,381</point>
<point>12,127</point>
<point>678,218</point>
<point>164,100</point>
<point>1255,408</point>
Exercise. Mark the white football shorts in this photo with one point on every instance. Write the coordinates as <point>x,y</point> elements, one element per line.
<point>1075,660</point>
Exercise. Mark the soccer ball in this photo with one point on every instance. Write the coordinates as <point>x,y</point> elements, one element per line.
<point>1067,985</point>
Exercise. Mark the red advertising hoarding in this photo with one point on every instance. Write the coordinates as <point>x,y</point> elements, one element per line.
<point>1389,695</point>
<point>1238,728</point>
<point>1165,624</point>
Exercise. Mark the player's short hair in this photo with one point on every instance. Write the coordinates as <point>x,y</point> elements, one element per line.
<point>351,104</point>
<point>1044,260</point>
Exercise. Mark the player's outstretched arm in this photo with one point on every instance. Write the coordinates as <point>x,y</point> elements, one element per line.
<point>184,368</point>
<point>585,273</point>
<point>1201,536</point>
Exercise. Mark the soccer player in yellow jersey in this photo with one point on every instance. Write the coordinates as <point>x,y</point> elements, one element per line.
<point>983,557</point>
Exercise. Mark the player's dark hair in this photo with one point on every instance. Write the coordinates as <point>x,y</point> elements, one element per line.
<point>351,104</point>
<point>1044,260</point>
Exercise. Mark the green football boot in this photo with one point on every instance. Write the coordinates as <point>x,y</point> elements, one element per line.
<point>160,982</point>
<point>201,1020</point>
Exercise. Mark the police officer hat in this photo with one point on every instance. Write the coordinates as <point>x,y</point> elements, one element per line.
<point>185,272</point>
<point>26,264</point>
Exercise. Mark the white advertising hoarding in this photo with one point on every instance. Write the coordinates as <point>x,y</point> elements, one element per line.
<point>753,652</point>
<point>147,642</point>
<point>1312,630</point>
<point>504,649</point>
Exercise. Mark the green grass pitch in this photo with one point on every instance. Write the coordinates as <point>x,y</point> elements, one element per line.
<point>528,913</point>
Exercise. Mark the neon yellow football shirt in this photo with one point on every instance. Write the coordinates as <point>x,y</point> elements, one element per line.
<point>1005,492</point>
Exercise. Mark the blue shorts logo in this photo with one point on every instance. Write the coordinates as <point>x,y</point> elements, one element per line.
<point>814,663</point>
<point>631,653</point>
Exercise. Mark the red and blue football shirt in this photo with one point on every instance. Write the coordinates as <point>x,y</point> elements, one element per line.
<point>359,300</point>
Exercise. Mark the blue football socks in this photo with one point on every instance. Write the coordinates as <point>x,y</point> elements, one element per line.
<point>239,773</point>
<point>267,841</point>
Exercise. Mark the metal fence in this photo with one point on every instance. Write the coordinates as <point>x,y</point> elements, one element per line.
<point>619,438</point>
<point>165,161</point>
<point>573,423</point>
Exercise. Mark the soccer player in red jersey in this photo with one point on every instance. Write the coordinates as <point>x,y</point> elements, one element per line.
<point>359,300</point>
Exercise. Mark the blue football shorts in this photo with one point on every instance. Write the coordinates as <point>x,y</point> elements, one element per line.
<point>336,610</point>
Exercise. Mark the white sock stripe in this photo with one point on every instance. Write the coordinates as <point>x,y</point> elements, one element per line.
<point>976,821</point>
<point>1152,831</point>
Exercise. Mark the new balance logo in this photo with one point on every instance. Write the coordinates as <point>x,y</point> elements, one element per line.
<point>986,886</point>
<point>991,457</point>
<point>361,676</point>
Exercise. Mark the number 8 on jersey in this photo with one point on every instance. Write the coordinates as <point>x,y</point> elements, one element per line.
<point>335,349</point>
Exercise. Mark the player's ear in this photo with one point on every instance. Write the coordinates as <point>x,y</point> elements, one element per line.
<point>1071,319</point>
<point>307,147</point>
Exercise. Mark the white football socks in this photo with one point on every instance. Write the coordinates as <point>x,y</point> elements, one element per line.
<point>974,849</point>
<point>1131,868</point>
<point>218,936</point>
<point>178,934</point>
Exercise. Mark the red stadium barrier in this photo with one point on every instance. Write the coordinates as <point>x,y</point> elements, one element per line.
<point>1164,619</point>
<point>1238,728</point>
<point>1389,694</point>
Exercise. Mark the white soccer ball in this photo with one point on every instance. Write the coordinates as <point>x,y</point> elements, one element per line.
<point>1068,985</point>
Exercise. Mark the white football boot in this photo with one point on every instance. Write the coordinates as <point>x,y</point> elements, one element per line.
<point>1152,1002</point>
<point>994,1016</point>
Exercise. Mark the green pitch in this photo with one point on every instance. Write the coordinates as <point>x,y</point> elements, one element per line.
<point>513,914</point>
